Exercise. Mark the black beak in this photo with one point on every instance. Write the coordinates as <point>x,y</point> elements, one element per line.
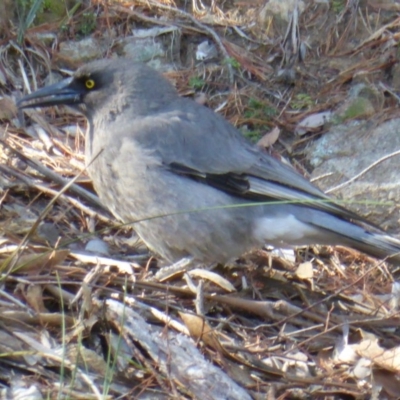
<point>64,92</point>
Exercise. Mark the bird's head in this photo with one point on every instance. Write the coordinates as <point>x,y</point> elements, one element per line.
<point>105,86</point>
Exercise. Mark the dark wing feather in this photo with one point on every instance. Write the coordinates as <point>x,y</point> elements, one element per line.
<point>255,188</point>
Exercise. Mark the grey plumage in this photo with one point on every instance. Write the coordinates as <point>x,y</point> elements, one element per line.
<point>160,155</point>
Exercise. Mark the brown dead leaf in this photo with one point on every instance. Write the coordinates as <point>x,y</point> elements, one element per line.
<point>213,277</point>
<point>269,138</point>
<point>386,359</point>
<point>264,309</point>
<point>36,262</point>
<point>9,344</point>
<point>200,329</point>
<point>305,271</point>
<point>34,297</point>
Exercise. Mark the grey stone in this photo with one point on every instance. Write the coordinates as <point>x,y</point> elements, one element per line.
<point>347,150</point>
<point>158,48</point>
<point>85,50</point>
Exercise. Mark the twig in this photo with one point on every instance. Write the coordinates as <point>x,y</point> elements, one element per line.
<point>90,197</point>
<point>28,181</point>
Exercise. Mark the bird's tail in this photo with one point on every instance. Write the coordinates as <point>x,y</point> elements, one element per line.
<point>366,239</point>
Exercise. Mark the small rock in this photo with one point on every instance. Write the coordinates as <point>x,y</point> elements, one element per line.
<point>73,53</point>
<point>348,149</point>
<point>47,38</point>
<point>206,50</point>
<point>97,246</point>
<point>142,50</point>
<point>49,232</point>
<point>356,108</point>
<point>52,77</point>
<point>363,101</point>
<point>281,9</point>
<point>158,47</point>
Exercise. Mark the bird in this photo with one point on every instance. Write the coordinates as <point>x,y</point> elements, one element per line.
<point>187,180</point>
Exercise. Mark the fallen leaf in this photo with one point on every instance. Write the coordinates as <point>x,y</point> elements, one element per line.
<point>312,122</point>
<point>213,277</point>
<point>305,271</point>
<point>35,262</point>
<point>383,358</point>
<point>200,329</point>
<point>34,297</point>
<point>269,138</point>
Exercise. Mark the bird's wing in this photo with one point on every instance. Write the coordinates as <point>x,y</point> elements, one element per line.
<point>261,188</point>
<point>199,144</point>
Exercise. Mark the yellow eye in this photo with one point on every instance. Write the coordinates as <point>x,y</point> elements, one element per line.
<point>89,83</point>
